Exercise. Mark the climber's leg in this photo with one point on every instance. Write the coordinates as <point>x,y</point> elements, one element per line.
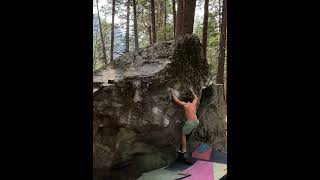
<point>183,143</point>
<point>186,130</point>
<point>188,135</point>
<point>187,138</point>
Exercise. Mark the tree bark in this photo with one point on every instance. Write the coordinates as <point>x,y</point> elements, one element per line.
<point>94,51</point>
<point>160,14</point>
<point>205,28</point>
<point>179,25</point>
<point>112,30</point>
<point>147,26</point>
<point>165,20</point>
<point>127,29</point>
<point>150,34</point>
<point>101,36</point>
<point>189,9</point>
<point>135,26</point>
<point>153,21</point>
<point>185,17</point>
<point>225,90</point>
<point>219,14</point>
<point>174,17</point>
<point>222,44</point>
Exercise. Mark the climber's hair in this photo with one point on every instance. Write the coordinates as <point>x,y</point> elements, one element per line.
<point>187,99</point>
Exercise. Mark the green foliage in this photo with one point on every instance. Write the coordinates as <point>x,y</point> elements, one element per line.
<point>168,32</point>
<point>213,41</point>
<point>97,45</point>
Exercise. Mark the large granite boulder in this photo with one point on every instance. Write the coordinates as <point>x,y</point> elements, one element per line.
<point>136,124</point>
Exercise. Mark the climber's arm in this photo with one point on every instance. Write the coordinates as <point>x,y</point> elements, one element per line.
<point>176,99</point>
<point>195,97</point>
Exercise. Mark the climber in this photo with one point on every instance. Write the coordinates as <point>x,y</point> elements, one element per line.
<point>190,109</point>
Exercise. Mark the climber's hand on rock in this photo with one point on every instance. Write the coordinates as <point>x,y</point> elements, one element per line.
<point>191,90</point>
<point>173,94</point>
<point>170,91</point>
<point>194,95</point>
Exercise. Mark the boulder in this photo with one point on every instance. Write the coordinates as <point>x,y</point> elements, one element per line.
<point>136,124</point>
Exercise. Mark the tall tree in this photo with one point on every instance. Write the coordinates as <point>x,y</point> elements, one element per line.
<point>185,16</point>
<point>205,28</point>
<point>159,10</point>
<point>174,17</point>
<point>225,90</point>
<point>128,23</point>
<point>101,35</point>
<point>150,34</point>
<point>135,26</point>
<point>94,51</point>
<point>148,27</point>
<point>222,44</point>
<point>219,14</point>
<point>189,9</point>
<point>153,22</point>
<point>112,29</point>
<point>179,25</point>
<point>165,20</point>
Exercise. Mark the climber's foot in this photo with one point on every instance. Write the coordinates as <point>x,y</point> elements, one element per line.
<point>183,151</point>
<point>183,159</point>
<point>186,161</point>
<point>180,155</point>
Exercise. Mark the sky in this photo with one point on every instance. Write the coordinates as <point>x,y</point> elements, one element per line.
<point>109,18</point>
<point>198,13</point>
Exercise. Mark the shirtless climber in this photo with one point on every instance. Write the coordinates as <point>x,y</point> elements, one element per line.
<point>191,117</point>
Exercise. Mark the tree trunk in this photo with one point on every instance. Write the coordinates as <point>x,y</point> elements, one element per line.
<point>165,20</point>
<point>150,34</point>
<point>128,23</point>
<point>174,17</point>
<point>179,25</point>
<point>101,36</point>
<point>222,44</point>
<point>185,16</point>
<point>153,21</point>
<point>149,26</point>
<point>219,15</point>
<point>94,51</point>
<point>160,14</point>
<point>112,29</point>
<point>225,90</point>
<point>135,26</point>
<point>205,28</point>
<point>188,20</point>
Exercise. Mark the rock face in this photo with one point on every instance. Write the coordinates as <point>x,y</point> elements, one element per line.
<point>136,124</point>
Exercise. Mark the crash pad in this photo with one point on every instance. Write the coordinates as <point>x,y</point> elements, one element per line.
<point>161,174</point>
<point>200,170</point>
<point>205,155</point>
<point>202,148</point>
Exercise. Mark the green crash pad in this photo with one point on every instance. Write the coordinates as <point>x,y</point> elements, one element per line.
<point>161,174</point>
